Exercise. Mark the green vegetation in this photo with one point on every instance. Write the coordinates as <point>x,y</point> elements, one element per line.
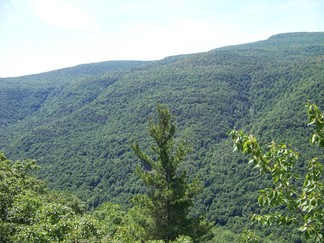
<point>169,195</point>
<point>77,123</point>
<point>31,213</point>
<point>301,205</point>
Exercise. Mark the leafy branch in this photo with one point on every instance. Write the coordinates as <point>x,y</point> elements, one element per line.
<point>303,204</point>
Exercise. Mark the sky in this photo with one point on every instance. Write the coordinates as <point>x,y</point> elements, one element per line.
<point>43,35</point>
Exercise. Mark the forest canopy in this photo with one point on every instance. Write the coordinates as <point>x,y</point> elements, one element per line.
<point>77,123</point>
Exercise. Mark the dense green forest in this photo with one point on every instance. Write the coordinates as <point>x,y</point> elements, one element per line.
<point>78,122</point>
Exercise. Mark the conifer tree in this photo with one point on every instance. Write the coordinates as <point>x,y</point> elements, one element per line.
<point>169,195</point>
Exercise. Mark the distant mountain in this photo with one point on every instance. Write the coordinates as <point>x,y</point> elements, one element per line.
<point>77,122</point>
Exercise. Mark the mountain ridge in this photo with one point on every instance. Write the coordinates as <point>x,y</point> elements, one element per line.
<point>130,62</point>
<point>77,122</point>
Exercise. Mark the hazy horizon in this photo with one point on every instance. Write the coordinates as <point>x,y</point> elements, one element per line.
<point>39,36</point>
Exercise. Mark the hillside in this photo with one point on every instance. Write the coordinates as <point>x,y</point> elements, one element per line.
<point>77,122</point>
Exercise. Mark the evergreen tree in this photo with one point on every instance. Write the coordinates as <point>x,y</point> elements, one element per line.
<point>169,195</point>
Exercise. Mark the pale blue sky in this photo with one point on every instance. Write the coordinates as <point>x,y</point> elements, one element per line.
<point>43,35</point>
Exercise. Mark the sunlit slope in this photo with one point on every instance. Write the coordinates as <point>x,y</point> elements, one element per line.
<point>77,122</point>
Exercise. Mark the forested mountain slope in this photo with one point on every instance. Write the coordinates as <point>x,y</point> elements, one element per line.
<point>77,122</point>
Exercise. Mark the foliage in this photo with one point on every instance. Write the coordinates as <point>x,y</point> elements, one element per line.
<point>249,237</point>
<point>31,213</point>
<point>77,122</point>
<point>169,195</point>
<point>304,204</point>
